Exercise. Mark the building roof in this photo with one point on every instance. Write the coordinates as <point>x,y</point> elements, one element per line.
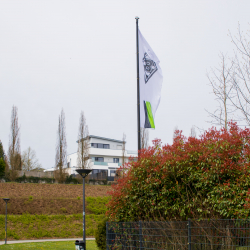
<point>102,138</point>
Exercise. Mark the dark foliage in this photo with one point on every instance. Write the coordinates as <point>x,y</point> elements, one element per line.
<point>100,234</point>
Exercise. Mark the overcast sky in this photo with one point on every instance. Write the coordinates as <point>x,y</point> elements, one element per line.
<point>80,55</point>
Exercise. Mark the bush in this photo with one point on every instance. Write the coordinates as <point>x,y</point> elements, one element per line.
<point>206,177</point>
<point>100,234</point>
<point>97,205</point>
<point>32,179</point>
<point>70,179</point>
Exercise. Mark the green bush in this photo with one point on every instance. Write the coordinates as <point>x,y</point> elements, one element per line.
<point>70,179</point>
<point>100,234</point>
<point>97,205</point>
<point>32,179</point>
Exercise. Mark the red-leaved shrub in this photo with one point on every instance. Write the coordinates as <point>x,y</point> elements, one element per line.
<point>207,177</point>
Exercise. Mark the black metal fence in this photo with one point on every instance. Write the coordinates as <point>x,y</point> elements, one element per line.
<point>179,235</point>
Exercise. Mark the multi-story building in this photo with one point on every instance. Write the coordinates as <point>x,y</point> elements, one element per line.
<point>105,157</point>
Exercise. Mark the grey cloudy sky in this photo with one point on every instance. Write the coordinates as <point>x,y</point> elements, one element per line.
<point>80,55</point>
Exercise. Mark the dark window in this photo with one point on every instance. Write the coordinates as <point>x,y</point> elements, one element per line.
<point>113,173</point>
<point>100,159</point>
<point>100,145</point>
<point>116,160</point>
<point>98,174</point>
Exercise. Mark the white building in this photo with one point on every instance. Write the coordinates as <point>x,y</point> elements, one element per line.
<point>105,157</point>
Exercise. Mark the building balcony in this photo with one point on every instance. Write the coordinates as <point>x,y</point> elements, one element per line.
<point>100,163</point>
<point>108,164</point>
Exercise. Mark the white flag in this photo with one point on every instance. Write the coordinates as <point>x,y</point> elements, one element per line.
<point>150,83</point>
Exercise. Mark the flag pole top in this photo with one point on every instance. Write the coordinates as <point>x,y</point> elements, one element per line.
<point>137,17</point>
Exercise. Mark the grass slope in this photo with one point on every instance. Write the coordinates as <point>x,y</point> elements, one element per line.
<point>48,198</point>
<point>21,227</point>
<point>38,211</point>
<point>64,245</point>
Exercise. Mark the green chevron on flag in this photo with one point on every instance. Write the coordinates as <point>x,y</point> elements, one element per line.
<point>149,116</point>
<point>150,83</point>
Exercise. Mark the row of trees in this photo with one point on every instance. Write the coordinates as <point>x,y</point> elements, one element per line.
<point>14,160</point>
<point>61,146</point>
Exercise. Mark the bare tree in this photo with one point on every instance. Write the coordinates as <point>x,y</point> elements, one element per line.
<point>14,151</point>
<point>220,79</point>
<point>29,160</point>
<point>61,150</point>
<point>144,137</point>
<point>83,143</point>
<point>193,132</point>
<point>241,74</point>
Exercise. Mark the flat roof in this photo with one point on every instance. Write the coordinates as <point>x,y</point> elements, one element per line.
<point>103,138</point>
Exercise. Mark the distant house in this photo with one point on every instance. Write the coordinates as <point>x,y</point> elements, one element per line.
<point>105,158</point>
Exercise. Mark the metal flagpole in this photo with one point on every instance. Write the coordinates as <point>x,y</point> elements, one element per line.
<point>138,87</point>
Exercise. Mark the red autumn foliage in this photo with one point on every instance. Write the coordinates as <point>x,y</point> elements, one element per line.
<point>206,177</point>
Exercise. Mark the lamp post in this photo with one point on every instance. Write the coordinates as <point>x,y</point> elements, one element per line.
<point>6,201</point>
<point>83,173</point>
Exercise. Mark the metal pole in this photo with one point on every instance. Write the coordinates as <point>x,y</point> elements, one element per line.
<point>189,235</point>
<point>140,233</point>
<point>83,195</point>
<point>6,224</point>
<point>107,235</point>
<point>138,87</point>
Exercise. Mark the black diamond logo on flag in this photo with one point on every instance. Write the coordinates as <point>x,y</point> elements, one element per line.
<point>149,67</point>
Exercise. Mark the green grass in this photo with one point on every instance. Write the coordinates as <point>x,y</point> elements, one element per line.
<point>97,205</point>
<point>28,226</point>
<point>91,245</point>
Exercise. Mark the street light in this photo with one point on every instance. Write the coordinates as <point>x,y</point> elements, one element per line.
<point>83,173</point>
<point>6,201</point>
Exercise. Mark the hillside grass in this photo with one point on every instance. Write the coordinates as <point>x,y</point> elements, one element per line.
<point>27,226</point>
<point>37,211</point>
<point>60,245</point>
<point>51,198</point>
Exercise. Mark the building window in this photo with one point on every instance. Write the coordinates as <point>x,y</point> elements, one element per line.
<point>100,159</point>
<point>115,160</point>
<point>98,174</point>
<point>112,173</point>
<point>100,145</point>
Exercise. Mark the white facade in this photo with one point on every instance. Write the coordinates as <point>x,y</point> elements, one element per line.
<point>105,157</point>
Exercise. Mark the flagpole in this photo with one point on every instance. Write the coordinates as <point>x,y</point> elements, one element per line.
<point>138,87</point>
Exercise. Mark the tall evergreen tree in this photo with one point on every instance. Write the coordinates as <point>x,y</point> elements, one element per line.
<point>2,155</point>
<point>61,150</point>
<point>2,160</point>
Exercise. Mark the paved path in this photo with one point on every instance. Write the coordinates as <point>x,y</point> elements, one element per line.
<point>43,240</point>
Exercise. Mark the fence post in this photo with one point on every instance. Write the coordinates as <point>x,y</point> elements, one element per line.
<point>107,236</point>
<point>140,233</point>
<point>189,235</point>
